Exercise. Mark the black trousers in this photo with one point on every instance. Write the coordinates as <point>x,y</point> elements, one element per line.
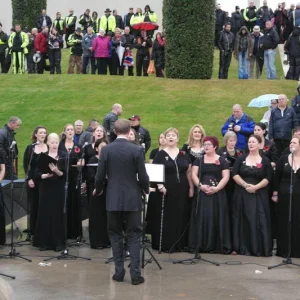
<point>31,67</point>
<point>250,25</point>
<point>41,64</point>
<point>8,62</point>
<point>116,68</point>
<point>294,69</point>
<point>130,71</point>
<point>102,65</point>
<point>281,145</point>
<point>55,59</point>
<point>142,62</point>
<point>3,63</point>
<point>225,60</point>
<point>115,224</point>
<point>85,63</point>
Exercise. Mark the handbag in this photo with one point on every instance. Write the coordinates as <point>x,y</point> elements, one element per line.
<point>151,68</point>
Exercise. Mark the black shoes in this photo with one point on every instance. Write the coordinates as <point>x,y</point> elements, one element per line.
<point>118,278</point>
<point>138,280</point>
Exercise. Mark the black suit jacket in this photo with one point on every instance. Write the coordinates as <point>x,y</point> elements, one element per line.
<point>122,162</point>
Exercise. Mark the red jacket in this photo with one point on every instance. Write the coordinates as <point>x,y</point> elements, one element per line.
<point>40,43</point>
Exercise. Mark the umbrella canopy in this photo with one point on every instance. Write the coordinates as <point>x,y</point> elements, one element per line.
<point>120,52</point>
<point>145,26</point>
<point>263,100</point>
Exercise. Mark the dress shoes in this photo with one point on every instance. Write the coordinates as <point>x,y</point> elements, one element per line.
<point>138,280</point>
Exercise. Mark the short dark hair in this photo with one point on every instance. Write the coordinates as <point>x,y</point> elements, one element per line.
<point>122,126</point>
<point>93,121</point>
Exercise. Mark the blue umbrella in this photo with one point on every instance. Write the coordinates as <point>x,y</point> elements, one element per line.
<point>262,101</point>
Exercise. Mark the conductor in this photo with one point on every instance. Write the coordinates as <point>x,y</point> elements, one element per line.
<point>122,161</point>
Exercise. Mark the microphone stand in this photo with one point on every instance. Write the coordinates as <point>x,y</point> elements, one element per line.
<point>65,253</point>
<point>197,257</point>
<point>13,252</point>
<point>288,260</point>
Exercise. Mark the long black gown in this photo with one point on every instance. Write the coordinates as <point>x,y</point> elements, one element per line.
<point>210,227</point>
<point>50,230</point>
<point>252,233</point>
<point>2,210</point>
<point>193,155</point>
<point>74,223</point>
<point>282,185</point>
<point>98,215</point>
<point>89,152</point>
<point>32,193</point>
<point>177,203</point>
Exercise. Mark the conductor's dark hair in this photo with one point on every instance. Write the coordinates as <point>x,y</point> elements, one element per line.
<point>122,126</point>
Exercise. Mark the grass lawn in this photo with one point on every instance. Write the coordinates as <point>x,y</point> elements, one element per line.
<point>54,101</point>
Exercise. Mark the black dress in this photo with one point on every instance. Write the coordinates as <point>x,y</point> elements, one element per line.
<point>176,205</point>
<point>50,230</point>
<point>252,234</point>
<point>74,223</point>
<point>210,226</point>
<point>89,152</point>
<point>32,193</point>
<point>98,216</point>
<point>282,184</point>
<point>193,155</point>
<point>2,210</point>
<point>153,153</point>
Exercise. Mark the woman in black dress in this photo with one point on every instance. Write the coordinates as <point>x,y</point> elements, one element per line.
<point>281,196</point>
<point>252,173</point>
<point>210,226</point>
<point>194,145</point>
<point>67,145</point>
<point>2,210</point>
<point>177,189</point>
<point>158,54</point>
<point>161,145</point>
<point>98,216</point>
<point>39,136</point>
<point>50,230</point>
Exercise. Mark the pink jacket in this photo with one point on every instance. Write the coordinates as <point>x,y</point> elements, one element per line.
<point>101,46</point>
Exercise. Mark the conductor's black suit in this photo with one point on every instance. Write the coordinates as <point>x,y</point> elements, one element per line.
<point>122,162</point>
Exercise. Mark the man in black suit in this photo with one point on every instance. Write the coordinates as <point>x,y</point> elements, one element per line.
<point>122,161</point>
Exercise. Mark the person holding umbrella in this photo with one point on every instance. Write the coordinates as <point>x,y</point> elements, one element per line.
<point>143,43</point>
<point>118,49</point>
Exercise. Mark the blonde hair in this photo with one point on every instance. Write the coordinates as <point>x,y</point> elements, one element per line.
<point>228,135</point>
<point>52,136</point>
<point>6,292</point>
<point>63,135</point>
<point>118,30</point>
<point>190,141</point>
<point>172,129</point>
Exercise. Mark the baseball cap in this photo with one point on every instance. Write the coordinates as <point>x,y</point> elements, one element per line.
<point>135,118</point>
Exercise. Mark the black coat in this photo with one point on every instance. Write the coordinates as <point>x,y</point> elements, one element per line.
<point>292,45</point>
<point>7,136</point>
<point>237,20</point>
<point>158,55</point>
<point>4,40</point>
<point>119,22</point>
<point>122,161</point>
<point>226,41</point>
<point>39,22</point>
<point>220,19</point>
<point>270,39</point>
<point>144,136</point>
<point>264,13</point>
<point>296,107</point>
<point>142,51</point>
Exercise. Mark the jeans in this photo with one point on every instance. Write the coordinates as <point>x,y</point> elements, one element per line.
<point>269,56</point>
<point>243,65</point>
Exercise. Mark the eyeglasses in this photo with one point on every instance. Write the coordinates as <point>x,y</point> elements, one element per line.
<point>207,145</point>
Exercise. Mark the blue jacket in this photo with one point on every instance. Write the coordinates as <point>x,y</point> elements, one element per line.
<point>247,128</point>
<point>281,127</point>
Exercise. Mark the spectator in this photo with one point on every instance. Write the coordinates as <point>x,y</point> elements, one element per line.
<point>257,57</point>
<point>226,47</point>
<point>108,22</point>
<point>101,46</point>
<point>282,122</point>
<point>143,44</point>
<point>109,59</point>
<point>95,21</point>
<point>292,49</point>
<point>78,127</point>
<point>55,41</point>
<point>269,44</point>
<point>85,21</point>
<point>31,66</point>
<point>127,18</point>
<point>75,41</point>
<point>70,24</point>
<point>129,45</point>
<point>158,54</point>
<point>241,124</point>
<point>58,24</point>
<point>110,119</point>
<point>87,135</point>
<point>88,52</point>
<point>41,47</point>
<point>3,46</point>
<point>7,137</point>
<point>243,51</point>
<point>117,41</point>
<point>264,14</point>
<point>43,21</point>
<point>280,18</point>
<point>237,20</point>
<point>296,104</point>
<point>220,22</point>
<point>138,17</point>
<point>267,115</point>
<point>150,16</point>
<point>119,21</point>
<point>18,42</point>
<point>295,17</point>
<point>143,133</point>
<point>250,16</point>
<point>289,24</point>
<point>9,53</point>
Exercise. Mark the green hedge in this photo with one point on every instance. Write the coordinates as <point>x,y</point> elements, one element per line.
<point>26,12</point>
<point>189,26</point>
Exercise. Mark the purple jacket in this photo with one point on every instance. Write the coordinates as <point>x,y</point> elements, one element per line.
<point>101,46</point>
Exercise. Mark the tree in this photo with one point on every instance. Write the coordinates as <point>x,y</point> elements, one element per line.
<point>189,26</point>
<point>18,12</point>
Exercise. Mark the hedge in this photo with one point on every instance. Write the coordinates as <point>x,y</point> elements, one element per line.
<point>189,26</point>
<point>26,12</point>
